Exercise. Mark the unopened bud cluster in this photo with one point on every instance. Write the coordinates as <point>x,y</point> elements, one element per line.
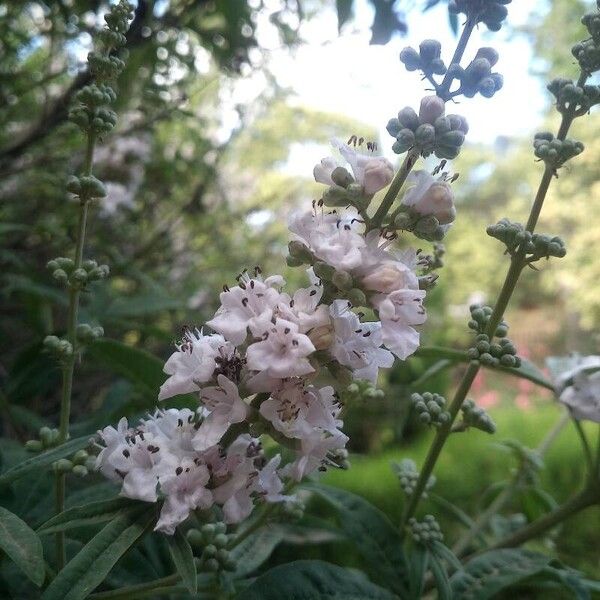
<point>86,187</point>
<point>426,59</point>
<point>408,476</point>
<point>573,98</point>
<point>535,245</point>
<point>430,408</point>
<point>64,271</point>
<point>91,112</point>
<point>79,464</point>
<point>47,439</point>
<point>489,12</point>
<point>361,390</point>
<point>478,77</point>
<point>477,417</point>
<point>429,131</point>
<point>425,531</point>
<point>555,152</point>
<point>587,52</point>
<point>210,543</point>
<point>492,353</point>
<point>480,315</point>
<point>294,509</point>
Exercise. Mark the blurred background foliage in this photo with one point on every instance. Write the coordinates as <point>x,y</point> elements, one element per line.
<point>199,189</point>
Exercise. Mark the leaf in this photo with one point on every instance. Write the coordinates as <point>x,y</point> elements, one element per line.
<point>487,574</point>
<point>456,512</point>
<point>135,365</point>
<point>91,565</point>
<point>374,535</point>
<point>183,557</point>
<point>255,549</point>
<point>434,369</point>
<point>22,546</point>
<point>44,459</point>
<point>441,578</point>
<point>430,4</point>
<point>344,12</point>
<point>419,560</point>
<point>536,502</point>
<point>88,514</point>
<point>444,553</point>
<point>143,304</point>
<point>314,580</point>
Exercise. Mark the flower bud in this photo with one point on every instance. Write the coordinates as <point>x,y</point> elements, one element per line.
<point>321,337</point>
<point>429,50</point>
<point>342,280</point>
<point>357,297</point>
<point>425,135</point>
<point>437,201</point>
<point>341,177</point>
<point>489,54</point>
<point>408,118</point>
<point>410,58</point>
<point>431,108</point>
<point>378,174</point>
<point>386,278</point>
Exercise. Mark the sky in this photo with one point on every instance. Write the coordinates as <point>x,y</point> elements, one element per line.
<point>344,74</point>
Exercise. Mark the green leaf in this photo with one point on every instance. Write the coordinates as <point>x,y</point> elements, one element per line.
<point>314,580</point>
<point>255,549</point>
<point>434,369</point>
<point>440,575</point>
<point>91,565</point>
<point>536,502</point>
<point>419,560</point>
<point>444,553</point>
<point>460,515</point>
<point>88,514</point>
<point>183,557</point>
<point>135,365</point>
<point>22,546</point>
<point>374,535</point>
<point>344,11</point>
<point>487,574</point>
<point>44,459</point>
<point>143,304</point>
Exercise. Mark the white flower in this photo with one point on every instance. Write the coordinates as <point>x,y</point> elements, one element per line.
<point>297,410</point>
<point>358,345</point>
<point>184,484</point>
<point>430,196</point>
<point>579,387</point>
<point>192,364</point>
<point>314,454</point>
<point>372,172</point>
<point>304,308</point>
<point>331,237</point>
<point>225,406</point>
<point>246,306</point>
<point>177,427</point>
<point>398,311</point>
<point>282,352</point>
<point>269,483</point>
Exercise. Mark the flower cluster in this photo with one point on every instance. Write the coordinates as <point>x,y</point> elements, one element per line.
<point>268,362</point>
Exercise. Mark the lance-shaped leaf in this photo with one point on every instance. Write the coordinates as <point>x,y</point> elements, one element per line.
<point>183,558</point>
<point>374,535</point>
<point>255,549</point>
<point>44,459</point>
<point>22,546</point>
<point>91,565</point>
<point>87,514</point>
<point>314,580</point>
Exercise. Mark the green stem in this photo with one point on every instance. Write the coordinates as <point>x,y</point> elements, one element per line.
<point>510,282</point>
<point>394,189</point>
<point>587,451</point>
<point>587,497</point>
<point>507,493</point>
<point>444,88</point>
<point>61,557</point>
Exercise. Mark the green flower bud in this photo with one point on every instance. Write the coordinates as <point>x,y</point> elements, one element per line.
<point>33,446</point>
<point>342,280</point>
<point>409,119</point>
<point>194,537</point>
<point>63,465</point>
<point>220,540</point>
<point>342,177</point>
<point>80,471</point>
<point>357,297</point>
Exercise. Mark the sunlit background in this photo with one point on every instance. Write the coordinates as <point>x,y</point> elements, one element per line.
<point>224,108</point>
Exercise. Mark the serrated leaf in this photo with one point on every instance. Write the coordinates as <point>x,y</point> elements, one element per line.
<point>91,565</point>
<point>374,535</point>
<point>183,558</point>
<point>85,515</point>
<point>22,546</point>
<point>314,580</point>
<point>255,550</point>
<point>487,574</point>
<point>43,459</point>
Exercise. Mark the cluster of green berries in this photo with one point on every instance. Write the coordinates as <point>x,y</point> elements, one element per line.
<point>97,120</point>
<point>361,389</point>
<point>569,96</point>
<point>554,152</point>
<point>489,12</point>
<point>425,531</point>
<point>426,59</point>
<point>210,542</point>
<point>48,438</point>
<point>475,416</point>
<point>444,137</point>
<point>424,227</point>
<point>587,52</point>
<point>477,77</point>
<point>490,353</point>
<point>80,464</point>
<point>536,245</point>
<point>430,408</point>
<point>480,316</point>
<point>408,476</point>
<point>64,271</point>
